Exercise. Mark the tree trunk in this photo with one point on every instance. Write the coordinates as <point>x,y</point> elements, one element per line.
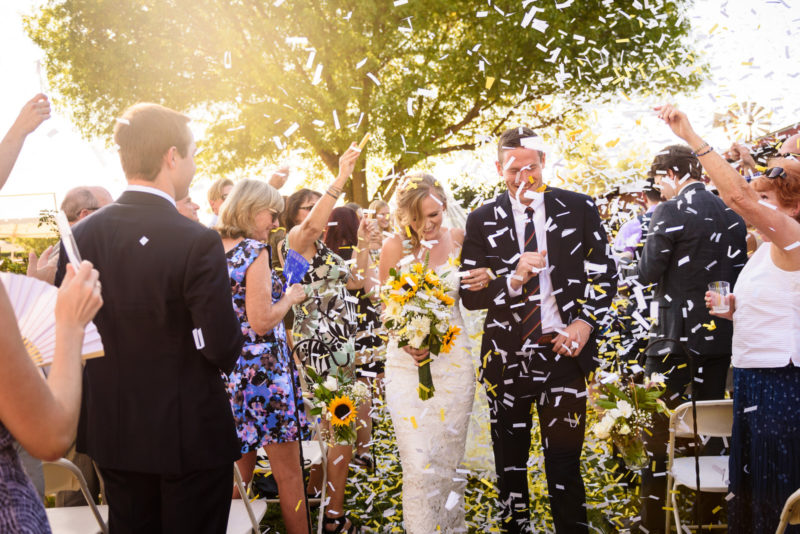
<point>356,187</point>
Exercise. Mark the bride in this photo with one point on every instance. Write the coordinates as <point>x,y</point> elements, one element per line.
<point>431,434</point>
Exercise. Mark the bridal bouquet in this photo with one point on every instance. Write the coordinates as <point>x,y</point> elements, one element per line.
<point>336,397</point>
<point>417,312</point>
<point>628,409</point>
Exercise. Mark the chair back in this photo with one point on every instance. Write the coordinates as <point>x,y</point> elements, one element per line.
<point>714,419</point>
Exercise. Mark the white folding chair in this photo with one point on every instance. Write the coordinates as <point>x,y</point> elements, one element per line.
<point>61,475</point>
<point>791,512</point>
<point>714,419</point>
<point>245,516</point>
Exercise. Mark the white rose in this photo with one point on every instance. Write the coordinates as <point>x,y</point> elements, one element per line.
<point>624,430</point>
<point>657,378</point>
<point>614,413</point>
<point>625,408</point>
<point>601,429</point>
<point>360,389</point>
<point>331,384</point>
<point>441,327</point>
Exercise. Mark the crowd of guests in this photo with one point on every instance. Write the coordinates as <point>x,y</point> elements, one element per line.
<point>205,340</point>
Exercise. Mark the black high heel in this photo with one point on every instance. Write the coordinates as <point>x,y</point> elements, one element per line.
<point>339,522</point>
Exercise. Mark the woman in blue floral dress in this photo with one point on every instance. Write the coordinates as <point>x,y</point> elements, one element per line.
<point>264,386</point>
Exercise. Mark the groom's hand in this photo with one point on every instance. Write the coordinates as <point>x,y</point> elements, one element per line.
<point>419,355</point>
<point>571,340</point>
<point>528,266</point>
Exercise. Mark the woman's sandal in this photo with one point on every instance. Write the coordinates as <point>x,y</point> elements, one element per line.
<point>339,523</point>
<point>365,461</point>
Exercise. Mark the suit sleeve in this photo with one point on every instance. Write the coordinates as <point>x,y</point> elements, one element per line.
<point>207,290</point>
<point>658,246</point>
<point>601,271</point>
<point>474,254</point>
<point>61,268</point>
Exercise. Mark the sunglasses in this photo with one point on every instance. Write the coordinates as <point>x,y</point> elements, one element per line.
<point>775,172</point>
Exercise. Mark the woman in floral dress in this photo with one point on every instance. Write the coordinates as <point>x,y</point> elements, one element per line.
<point>264,386</point>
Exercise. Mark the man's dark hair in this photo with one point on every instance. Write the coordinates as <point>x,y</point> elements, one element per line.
<point>650,191</point>
<point>679,159</point>
<point>76,200</point>
<point>512,138</point>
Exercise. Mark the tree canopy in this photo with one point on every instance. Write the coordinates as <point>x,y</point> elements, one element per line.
<point>423,77</point>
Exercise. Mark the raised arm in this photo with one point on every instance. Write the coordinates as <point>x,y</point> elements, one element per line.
<point>35,112</point>
<point>43,416</point>
<point>302,237</point>
<point>734,190</point>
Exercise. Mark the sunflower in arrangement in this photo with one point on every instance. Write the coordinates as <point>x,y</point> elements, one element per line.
<point>335,397</point>
<point>417,313</point>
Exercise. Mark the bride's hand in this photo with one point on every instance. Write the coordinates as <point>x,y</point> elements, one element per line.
<point>419,355</point>
<point>476,279</point>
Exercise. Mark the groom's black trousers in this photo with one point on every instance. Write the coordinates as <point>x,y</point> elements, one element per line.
<point>558,391</point>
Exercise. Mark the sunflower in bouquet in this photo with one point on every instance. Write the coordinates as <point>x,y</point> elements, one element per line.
<point>417,311</point>
<point>336,397</point>
<point>627,410</point>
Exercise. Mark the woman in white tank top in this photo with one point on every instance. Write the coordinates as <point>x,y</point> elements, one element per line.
<point>765,310</point>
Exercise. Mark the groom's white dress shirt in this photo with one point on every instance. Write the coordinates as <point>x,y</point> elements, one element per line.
<point>551,319</point>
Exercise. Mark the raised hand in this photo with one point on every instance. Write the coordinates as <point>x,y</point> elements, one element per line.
<point>43,267</point>
<point>34,113</point>
<point>348,161</point>
<point>676,120</point>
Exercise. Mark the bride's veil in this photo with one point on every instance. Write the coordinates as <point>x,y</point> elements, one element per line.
<point>478,454</point>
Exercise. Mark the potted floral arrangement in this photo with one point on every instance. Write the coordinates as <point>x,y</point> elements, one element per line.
<point>627,409</point>
<point>336,397</point>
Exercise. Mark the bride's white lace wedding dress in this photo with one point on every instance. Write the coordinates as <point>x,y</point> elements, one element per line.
<point>431,434</point>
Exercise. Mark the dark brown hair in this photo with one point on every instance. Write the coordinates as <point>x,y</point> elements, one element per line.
<point>512,138</point>
<point>144,133</point>
<point>680,160</point>
<point>293,203</point>
<point>342,232</point>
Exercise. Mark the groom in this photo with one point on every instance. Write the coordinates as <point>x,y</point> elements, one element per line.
<point>551,287</point>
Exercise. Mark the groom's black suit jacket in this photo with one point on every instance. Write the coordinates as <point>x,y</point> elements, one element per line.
<point>583,273</point>
<point>156,403</point>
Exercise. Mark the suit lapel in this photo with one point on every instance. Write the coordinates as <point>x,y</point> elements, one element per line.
<point>552,208</point>
<point>505,231</point>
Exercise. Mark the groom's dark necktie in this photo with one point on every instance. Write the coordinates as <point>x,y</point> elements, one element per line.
<point>532,318</point>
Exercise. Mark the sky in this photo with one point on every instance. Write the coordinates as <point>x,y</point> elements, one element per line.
<point>752,47</point>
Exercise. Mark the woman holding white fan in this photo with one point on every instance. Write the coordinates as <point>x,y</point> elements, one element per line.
<point>41,414</point>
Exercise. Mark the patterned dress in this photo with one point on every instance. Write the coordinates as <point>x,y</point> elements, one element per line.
<point>264,385</point>
<point>328,315</point>
<point>21,510</point>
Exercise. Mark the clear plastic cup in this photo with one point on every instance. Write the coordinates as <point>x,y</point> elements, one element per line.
<point>719,296</point>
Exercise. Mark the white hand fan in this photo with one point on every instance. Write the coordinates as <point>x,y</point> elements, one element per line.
<point>34,305</point>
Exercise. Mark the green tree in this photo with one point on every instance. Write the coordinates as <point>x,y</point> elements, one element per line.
<point>424,77</point>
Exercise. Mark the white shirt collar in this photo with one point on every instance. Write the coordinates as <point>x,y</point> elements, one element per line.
<point>152,191</point>
<point>519,208</point>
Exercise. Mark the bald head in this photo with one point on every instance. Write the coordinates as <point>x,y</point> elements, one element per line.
<point>791,145</point>
<point>80,202</point>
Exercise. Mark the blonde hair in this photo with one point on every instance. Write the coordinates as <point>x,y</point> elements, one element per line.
<point>377,204</point>
<point>415,189</point>
<point>215,191</point>
<point>246,199</point>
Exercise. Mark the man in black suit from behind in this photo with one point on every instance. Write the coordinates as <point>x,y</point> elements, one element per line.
<point>693,240</point>
<point>155,414</point>
<point>555,279</point>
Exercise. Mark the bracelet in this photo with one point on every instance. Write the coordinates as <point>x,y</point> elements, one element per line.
<point>701,147</point>
<point>332,195</point>
<point>710,149</point>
